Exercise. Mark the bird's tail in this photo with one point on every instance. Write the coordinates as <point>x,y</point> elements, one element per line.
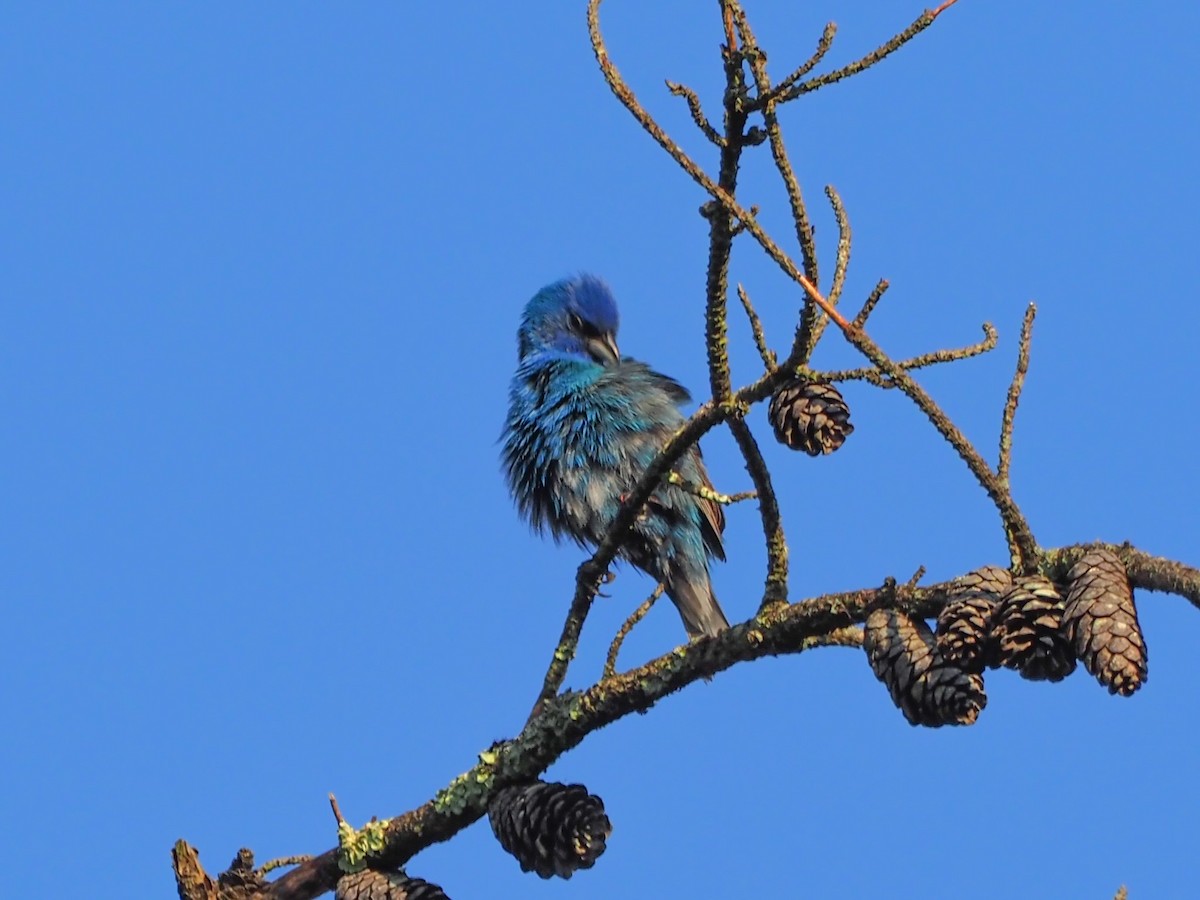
<point>692,594</point>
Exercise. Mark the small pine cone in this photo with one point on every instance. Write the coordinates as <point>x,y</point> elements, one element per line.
<point>1101,623</point>
<point>986,579</point>
<point>964,631</point>
<point>1027,628</point>
<point>810,416</point>
<point>928,689</point>
<point>371,885</point>
<point>964,626</point>
<point>551,828</point>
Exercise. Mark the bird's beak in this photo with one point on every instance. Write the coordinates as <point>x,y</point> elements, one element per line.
<point>603,349</point>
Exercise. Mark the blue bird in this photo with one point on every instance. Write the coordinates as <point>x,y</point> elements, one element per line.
<point>583,424</point>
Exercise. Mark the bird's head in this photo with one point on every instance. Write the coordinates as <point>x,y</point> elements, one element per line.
<point>577,316</point>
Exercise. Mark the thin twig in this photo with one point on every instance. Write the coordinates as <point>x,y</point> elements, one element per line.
<point>273,864</point>
<point>697,111</point>
<point>872,300</point>
<point>1014,394</point>
<point>587,585</point>
<point>756,327</point>
<point>738,227</point>
<point>721,219</point>
<point>337,811</point>
<point>887,48</point>
<point>809,64</point>
<point>775,589</point>
<point>912,583</point>
<point>850,636</point>
<point>783,163</point>
<point>614,649</point>
<point>812,322</point>
<point>703,490</point>
<point>843,248</point>
<point>877,377</point>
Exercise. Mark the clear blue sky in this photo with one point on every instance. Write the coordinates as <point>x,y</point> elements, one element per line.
<point>262,265</point>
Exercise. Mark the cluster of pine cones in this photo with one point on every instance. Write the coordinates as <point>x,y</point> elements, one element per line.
<point>1027,623</point>
<point>551,829</point>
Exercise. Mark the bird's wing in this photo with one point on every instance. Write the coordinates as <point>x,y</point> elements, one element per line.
<point>712,526</point>
<point>635,370</point>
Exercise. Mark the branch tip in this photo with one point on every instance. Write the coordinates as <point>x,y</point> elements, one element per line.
<point>770,362</point>
<point>934,13</point>
<point>337,811</point>
<point>1014,394</point>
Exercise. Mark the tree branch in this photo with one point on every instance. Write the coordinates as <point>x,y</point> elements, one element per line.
<point>566,720</point>
<point>887,48</point>
<point>1014,395</point>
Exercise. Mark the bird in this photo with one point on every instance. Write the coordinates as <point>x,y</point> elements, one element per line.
<point>583,425</point>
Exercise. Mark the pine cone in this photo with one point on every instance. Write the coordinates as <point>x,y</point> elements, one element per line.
<point>924,686</point>
<point>987,579</point>
<point>964,631</point>
<point>964,626</point>
<point>810,416</point>
<point>371,885</point>
<point>551,828</point>
<point>1101,623</point>
<point>1027,628</point>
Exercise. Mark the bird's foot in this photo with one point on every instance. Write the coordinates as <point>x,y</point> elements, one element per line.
<point>595,575</point>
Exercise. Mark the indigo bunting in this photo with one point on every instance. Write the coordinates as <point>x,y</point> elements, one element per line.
<point>583,425</point>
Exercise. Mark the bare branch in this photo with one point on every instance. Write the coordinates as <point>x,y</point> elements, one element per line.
<point>587,585</point>
<point>697,111</point>
<point>760,339</point>
<point>776,586</point>
<point>337,810</point>
<point>783,163</point>
<point>877,377</point>
<point>274,864</point>
<point>872,300</point>
<point>842,264</point>
<point>812,322</point>
<point>887,48</point>
<point>703,490</point>
<point>1014,395</point>
<point>614,649</point>
<point>190,878</point>
<point>823,45</point>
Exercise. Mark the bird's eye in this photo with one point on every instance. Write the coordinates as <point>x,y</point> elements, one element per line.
<point>576,322</point>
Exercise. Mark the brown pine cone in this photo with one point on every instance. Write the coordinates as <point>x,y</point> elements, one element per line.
<point>1101,623</point>
<point>987,579</point>
<point>371,885</point>
<point>964,631</point>
<point>810,416</point>
<point>925,687</point>
<point>1027,628</point>
<point>551,828</point>
<point>964,626</point>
